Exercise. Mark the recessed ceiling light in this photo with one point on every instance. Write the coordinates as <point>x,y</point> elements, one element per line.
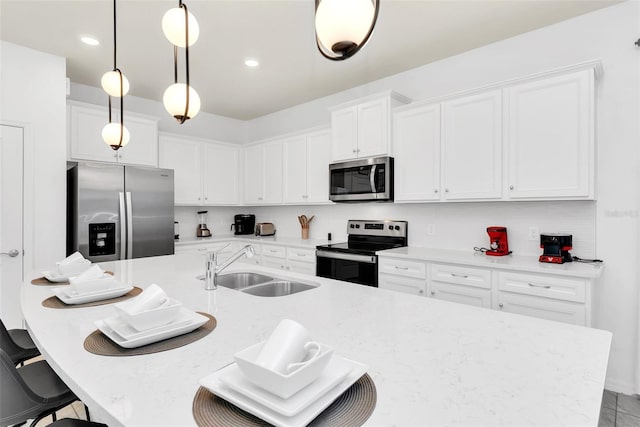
<point>251,62</point>
<point>89,40</point>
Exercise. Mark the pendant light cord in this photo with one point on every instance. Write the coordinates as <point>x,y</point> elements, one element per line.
<point>115,68</point>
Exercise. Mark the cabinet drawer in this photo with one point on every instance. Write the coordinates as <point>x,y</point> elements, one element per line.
<point>555,287</point>
<point>468,276</point>
<point>397,283</point>
<point>301,255</point>
<point>469,295</point>
<point>402,268</point>
<point>274,251</point>
<point>543,308</point>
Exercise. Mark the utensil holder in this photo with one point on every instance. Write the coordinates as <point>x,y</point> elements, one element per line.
<point>305,233</point>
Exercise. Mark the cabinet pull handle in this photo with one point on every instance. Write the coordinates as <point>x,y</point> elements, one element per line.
<point>421,291</point>
<point>433,292</point>
<point>401,268</point>
<point>464,276</point>
<point>446,190</point>
<point>511,187</point>
<point>501,305</point>
<point>435,191</point>
<point>533,285</point>
<point>273,250</point>
<point>353,151</point>
<point>301,254</point>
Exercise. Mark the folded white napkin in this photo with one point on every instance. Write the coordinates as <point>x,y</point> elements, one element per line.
<point>73,264</point>
<point>92,280</point>
<point>151,298</point>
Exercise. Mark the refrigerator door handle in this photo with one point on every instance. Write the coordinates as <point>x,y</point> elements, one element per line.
<point>129,227</point>
<point>123,226</point>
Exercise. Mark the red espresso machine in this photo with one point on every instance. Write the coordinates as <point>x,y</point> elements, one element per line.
<point>498,244</point>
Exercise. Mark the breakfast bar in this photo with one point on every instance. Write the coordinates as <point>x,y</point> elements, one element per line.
<point>432,362</point>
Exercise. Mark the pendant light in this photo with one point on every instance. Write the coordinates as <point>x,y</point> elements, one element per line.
<point>115,84</point>
<point>343,27</point>
<point>182,30</point>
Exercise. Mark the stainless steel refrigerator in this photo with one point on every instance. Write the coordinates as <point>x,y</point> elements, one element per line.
<point>119,212</point>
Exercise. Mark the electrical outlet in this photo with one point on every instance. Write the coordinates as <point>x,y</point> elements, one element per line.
<point>431,229</point>
<point>534,234</point>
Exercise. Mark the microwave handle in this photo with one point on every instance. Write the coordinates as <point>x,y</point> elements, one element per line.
<point>372,178</point>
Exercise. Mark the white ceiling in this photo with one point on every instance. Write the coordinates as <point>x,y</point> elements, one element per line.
<point>280,34</point>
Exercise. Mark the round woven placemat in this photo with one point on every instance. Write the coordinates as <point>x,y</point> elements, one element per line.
<point>100,344</point>
<point>54,302</point>
<point>352,409</point>
<point>42,281</point>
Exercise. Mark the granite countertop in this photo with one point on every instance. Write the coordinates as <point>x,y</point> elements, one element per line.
<point>433,362</point>
<point>250,238</point>
<point>508,262</point>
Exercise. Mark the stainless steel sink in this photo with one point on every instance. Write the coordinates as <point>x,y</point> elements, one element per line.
<point>278,288</point>
<point>242,280</point>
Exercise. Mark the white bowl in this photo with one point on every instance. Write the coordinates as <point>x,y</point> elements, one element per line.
<point>150,318</point>
<point>93,285</point>
<point>75,268</point>
<point>282,385</point>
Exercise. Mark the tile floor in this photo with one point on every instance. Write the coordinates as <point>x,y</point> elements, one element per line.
<point>619,410</point>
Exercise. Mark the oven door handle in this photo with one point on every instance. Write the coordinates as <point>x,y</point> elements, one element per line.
<point>369,259</point>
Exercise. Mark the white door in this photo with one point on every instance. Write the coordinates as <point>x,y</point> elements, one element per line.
<point>373,128</point>
<point>184,157</point>
<point>273,172</point>
<point>318,159</point>
<point>221,166</point>
<point>295,170</point>
<point>344,134</point>
<point>11,215</point>
<point>254,174</point>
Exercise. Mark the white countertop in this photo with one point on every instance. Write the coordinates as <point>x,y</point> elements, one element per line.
<point>433,362</point>
<point>275,240</point>
<point>508,262</point>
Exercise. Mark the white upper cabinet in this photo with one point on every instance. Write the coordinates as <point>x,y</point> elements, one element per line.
<point>205,172</point>
<point>472,147</point>
<point>416,147</point>
<point>306,168</point>
<point>263,173</point>
<point>363,128</point>
<point>550,138</point>
<point>220,175</point>
<point>86,122</point>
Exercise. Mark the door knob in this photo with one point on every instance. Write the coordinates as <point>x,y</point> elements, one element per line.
<point>12,253</point>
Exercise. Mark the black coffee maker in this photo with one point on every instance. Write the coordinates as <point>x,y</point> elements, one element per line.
<point>244,224</point>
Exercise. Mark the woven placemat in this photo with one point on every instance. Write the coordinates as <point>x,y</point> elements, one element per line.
<point>98,343</point>
<point>352,409</point>
<point>42,281</point>
<point>54,302</point>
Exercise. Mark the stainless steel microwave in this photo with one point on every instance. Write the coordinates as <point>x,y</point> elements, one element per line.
<point>361,180</point>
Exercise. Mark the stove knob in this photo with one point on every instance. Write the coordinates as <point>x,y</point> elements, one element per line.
<point>391,227</point>
<point>357,225</point>
<point>351,225</point>
<point>397,227</point>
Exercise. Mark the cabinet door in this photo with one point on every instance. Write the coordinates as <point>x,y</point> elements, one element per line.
<point>85,132</point>
<point>543,308</point>
<point>318,159</point>
<point>461,294</point>
<point>344,128</point>
<point>373,128</point>
<point>416,149</point>
<point>407,285</point>
<point>295,170</point>
<point>253,174</point>
<point>142,148</point>
<point>220,179</point>
<point>184,157</point>
<point>472,147</point>
<point>273,172</point>
<point>550,138</point>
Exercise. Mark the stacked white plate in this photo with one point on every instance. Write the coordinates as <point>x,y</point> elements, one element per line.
<point>230,384</point>
<point>69,296</point>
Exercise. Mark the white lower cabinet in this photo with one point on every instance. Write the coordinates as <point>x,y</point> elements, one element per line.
<point>460,284</point>
<point>289,258</point>
<point>547,296</point>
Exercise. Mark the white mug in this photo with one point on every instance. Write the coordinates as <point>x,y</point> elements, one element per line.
<point>151,298</point>
<point>288,347</point>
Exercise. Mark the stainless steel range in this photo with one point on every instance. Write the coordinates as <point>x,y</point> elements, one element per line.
<point>356,260</point>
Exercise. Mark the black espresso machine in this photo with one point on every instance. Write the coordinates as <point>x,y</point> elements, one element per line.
<point>244,224</point>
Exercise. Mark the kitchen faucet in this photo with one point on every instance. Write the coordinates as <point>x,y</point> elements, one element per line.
<point>213,269</point>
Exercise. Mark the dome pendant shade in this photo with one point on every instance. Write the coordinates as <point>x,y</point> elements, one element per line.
<point>175,100</point>
<point>111,83</point>
<point>343,27</point>
<point>173,26</point>
<point>111,135</point>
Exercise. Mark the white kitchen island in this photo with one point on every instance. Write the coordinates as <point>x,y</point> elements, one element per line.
<point>433,362</point>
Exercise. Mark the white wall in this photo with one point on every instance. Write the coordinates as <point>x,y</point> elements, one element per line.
<point>204,125</point>
<point>33,93</point>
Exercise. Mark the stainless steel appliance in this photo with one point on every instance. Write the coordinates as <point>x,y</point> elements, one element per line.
<point>356,260</point>
<point>202,230</point>
<point>361,180</point>
<point>244,224</point>
<point>265,229</point>
<point>119,212</point>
